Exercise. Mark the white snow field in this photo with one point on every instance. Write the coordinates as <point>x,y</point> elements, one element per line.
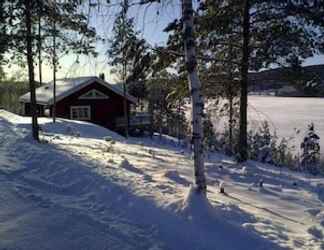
<point>85,187</point>
<point>285,114</point>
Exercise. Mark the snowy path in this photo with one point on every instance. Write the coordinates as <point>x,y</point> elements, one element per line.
<point>38,213</point>
<point>83,192</point>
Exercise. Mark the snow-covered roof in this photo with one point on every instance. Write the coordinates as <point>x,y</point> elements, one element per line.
<point>66,87</point>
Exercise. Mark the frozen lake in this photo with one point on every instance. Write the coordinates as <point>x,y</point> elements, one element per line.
<point>287,113</point>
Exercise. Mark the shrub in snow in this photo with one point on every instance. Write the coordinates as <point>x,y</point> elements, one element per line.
<point>125,164</point>
<point>152,153</point>
<point>209,133</point>
<point>244,171</point>
<point>260,144</point>
<point>310,147</point>
<point>222,187</point>
<point>316,232</point>
<point>57,137</point>
<point>108,138</point>
<point>111,161</point>
<point>110,146</point>
<point>265,154</point>
<point>264,147</point>
<point>261,182</point>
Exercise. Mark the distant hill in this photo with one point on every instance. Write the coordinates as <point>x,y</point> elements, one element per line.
<point>304,81</point>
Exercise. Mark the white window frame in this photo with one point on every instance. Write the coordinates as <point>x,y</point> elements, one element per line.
<point>94,97</point>
<point>79,117</point>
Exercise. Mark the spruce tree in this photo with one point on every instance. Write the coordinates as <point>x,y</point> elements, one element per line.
<point>129,56</point>
<point>310,147</point>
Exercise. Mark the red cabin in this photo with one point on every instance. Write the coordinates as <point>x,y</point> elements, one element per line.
<point>83,98</point>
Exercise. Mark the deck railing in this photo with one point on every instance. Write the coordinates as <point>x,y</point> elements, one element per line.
<point>138,119</point>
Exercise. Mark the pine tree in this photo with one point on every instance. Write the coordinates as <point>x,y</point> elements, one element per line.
<point>129,56</point>
<point>20,36</point>
<point>310,150</point>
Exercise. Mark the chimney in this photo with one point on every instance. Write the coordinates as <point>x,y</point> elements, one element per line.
<point>102,76</point>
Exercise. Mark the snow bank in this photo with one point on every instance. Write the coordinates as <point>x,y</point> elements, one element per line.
<point>135,201</point>
<point>77,128</point>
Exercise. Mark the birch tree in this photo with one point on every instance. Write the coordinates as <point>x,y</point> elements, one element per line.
<point>196,96</point>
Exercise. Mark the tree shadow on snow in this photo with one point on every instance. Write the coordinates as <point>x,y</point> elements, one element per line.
<point>73,128</point>
<point>69,183</point>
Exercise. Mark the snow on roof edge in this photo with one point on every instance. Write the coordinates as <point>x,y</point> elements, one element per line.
<point>88,80</point>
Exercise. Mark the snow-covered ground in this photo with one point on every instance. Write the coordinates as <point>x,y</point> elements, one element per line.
<point>85,187</point>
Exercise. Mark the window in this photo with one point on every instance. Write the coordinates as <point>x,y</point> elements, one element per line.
<point>94,94</point>
<point>80,113</point>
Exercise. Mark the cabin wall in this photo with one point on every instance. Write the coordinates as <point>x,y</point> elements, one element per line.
<point>103,112</point>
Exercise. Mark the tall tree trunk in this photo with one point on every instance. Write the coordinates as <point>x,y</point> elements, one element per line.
<point>30,63</point>
<point>160,123</point>
<point>54,70</point>
<point>178,120</point>
<point>230,96</point>
<point>126,118</point>
<point>40,44</point>
<point>151,112</point>
<point>197,100</point>
<point>230,121</point>
<point>244,82</point>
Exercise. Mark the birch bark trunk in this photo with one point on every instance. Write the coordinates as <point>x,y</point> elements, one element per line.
<point>195,90</point>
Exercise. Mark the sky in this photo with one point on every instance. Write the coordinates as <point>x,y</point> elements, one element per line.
<point>150,21</point>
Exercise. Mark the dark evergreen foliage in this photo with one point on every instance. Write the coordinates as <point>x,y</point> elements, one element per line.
<point>310,146</point>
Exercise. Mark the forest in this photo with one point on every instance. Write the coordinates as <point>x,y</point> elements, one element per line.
<point>202,70</point>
